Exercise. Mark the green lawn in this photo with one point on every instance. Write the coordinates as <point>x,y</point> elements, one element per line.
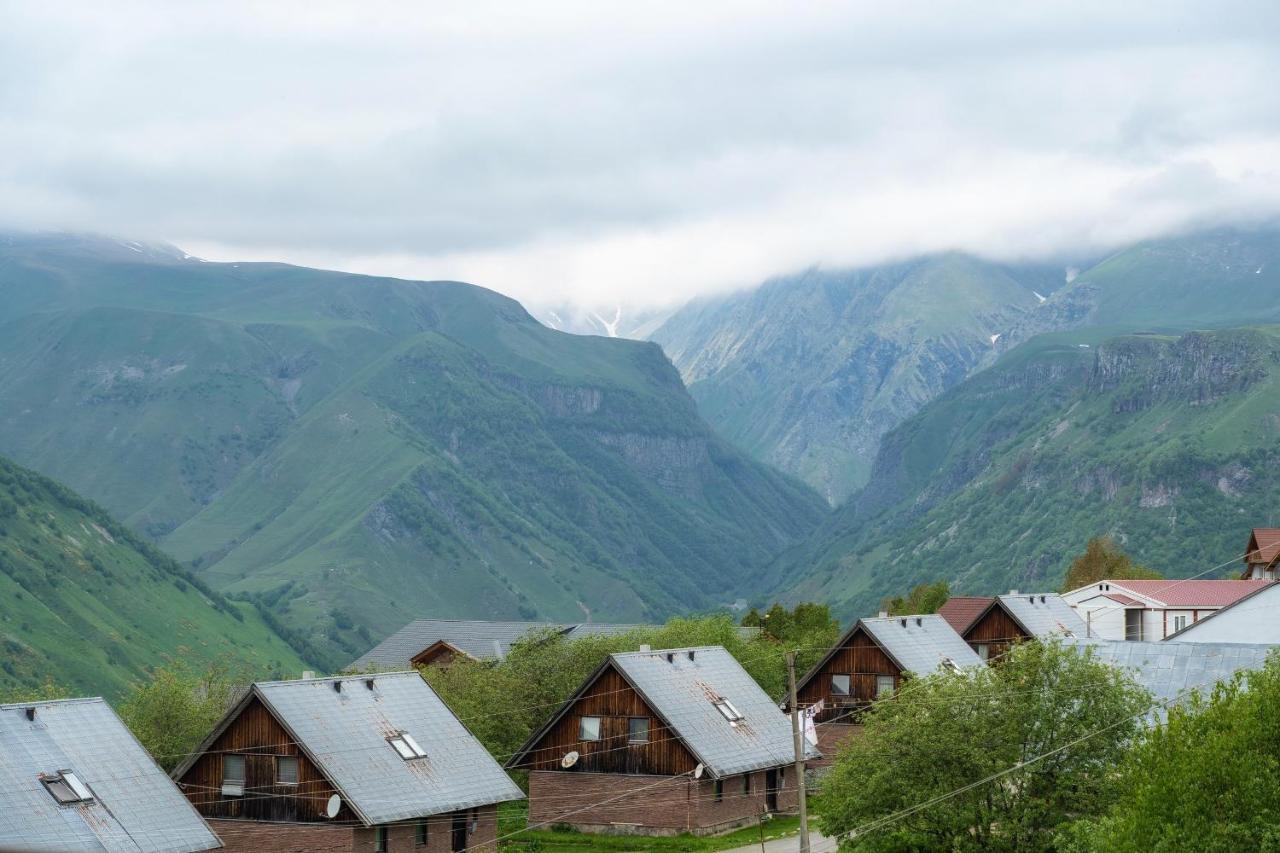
<point>512,817</point>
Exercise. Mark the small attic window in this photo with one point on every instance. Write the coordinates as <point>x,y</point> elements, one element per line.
<point>67,788</point>
<point>726,709</point>
<point>406,746</point>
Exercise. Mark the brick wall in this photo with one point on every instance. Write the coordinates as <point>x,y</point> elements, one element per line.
<point>650,805</point>
<point>251,836</point>
<point>247,836</point>
<point>831,736</point>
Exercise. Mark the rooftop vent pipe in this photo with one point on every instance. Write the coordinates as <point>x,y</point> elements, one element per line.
<point>368,683</point>
<point>31,713</point>
<point>337,687</point>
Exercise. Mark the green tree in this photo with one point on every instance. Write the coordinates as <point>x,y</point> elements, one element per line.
<point>1104,559</point>
<point>503,702</point>
<point>47,691</point>
<point>924,598</point>
<point>1205,780</point>
<point>946,731</point>
<point>172,712</point>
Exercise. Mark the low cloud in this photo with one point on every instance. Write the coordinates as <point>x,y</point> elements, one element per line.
<point>635,155</point>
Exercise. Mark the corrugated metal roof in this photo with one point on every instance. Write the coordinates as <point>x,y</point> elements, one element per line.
<point>1044,614</point>
<point>135,806</point>
<point>681,691</point>
<point>961,610</point>
<point>1172,671</point>
<point>1191,593</point>
<point>920,644</point>
<point>345,733</point>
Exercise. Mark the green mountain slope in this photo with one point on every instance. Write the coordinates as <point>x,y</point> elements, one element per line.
<point>808,372</point>
<point>85,602</point>
<point>1166,443</point>
<point>354,452</point>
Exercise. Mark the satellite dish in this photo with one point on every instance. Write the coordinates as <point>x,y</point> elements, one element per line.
<point>697,771</point>
<point>331,809</point>
<point>570,759</point>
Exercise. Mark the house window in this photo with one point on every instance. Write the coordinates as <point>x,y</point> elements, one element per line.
<point>589,728</point>
<point>839,685</point>
<point>286,770</point>
<point>638,730</point>
<point>420,834</point>
<point>406,746</point>
<point>67,788</point>
<point>717,789</point>
<point>983,650</point>
<point>884,686</point>
<point>746,783</point>
<point>1179,622</point>
<point>380,839</point>
<point>233,775</point>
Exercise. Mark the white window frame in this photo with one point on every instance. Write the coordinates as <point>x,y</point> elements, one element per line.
<point>631,738</point>
<point>582,729</point>
<point>881,691</point>
<point>983,651</point>
<point>848,684</point>
<point>406,746</point>
<point>296,768</point>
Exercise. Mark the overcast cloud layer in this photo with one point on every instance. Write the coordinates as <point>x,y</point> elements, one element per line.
<point>637,153</point>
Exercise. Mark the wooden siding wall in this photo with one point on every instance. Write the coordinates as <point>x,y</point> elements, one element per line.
<point>997,629</point>
<point>257,735</point>
<point>615,702</point>
<point>862,660</point>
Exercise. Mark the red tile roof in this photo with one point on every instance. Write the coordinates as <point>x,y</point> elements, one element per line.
<point>1264,545</point>
<point>961,610</point>
<point>1192,593</point>
<point>1122,599</point>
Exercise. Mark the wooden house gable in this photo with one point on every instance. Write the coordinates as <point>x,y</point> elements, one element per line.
<point>859,658</point>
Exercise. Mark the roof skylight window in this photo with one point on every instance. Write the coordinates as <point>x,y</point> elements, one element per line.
<point>725,707</point>
<point>67,788</point>
<point>407,747</point>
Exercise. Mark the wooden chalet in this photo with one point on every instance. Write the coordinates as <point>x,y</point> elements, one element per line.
<point>661,742</point>
<point>1262,554</point>
<point>1012,618</point>
<point>375,763</point>
<point>870,663</point>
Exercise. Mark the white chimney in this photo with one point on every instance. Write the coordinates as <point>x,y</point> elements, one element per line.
<point>1013,592</point>
<point>884,614</point>
<point>307,673</point>
<point>645,647</point>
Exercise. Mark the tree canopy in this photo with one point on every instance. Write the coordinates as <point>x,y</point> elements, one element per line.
<point>924,598</point>
<point>1040,735</point>
<point>1103,558</point>
<point>172,712</point>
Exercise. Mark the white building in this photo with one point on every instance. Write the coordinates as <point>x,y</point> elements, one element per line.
<point>1154,609</point>
<point>1252,619</point>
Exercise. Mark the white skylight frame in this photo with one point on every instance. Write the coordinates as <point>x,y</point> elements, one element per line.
<point>67,789</point>
<point>406,747</point>
<point>727,710</point>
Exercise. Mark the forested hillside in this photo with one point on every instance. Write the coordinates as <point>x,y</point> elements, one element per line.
<point>1166,443</point>
<point>87,604</point>
<point>354,452</point>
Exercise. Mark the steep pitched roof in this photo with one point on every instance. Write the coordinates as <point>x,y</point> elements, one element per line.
<point>1172,671</point>
<point>1191,593</point>
<point>345,732</point>
<point>1264,545</point>
<point>679,686</point>
<point>1043,614</point>
<point>135,807</point>
<point>960,611</point>
<point>920,644</point>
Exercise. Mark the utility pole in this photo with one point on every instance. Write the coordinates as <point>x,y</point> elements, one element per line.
<point>797,739</point>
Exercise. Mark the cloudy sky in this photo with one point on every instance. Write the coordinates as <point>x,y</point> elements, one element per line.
<point>595,153</point>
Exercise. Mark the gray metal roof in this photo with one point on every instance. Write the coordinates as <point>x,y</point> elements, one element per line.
<point>345,733</point>
<point>135,806</point>
<point>919,644</point>
<point>480,639</point>
<point>1171,671</point>
<point>1044,614</point>
<point>681,690</point>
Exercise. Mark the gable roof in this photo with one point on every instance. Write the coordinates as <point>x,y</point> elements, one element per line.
<point>1248,619</point>
<point>135,806</point>
<point>961,611</point>
<point>344,733</point>
<point>1041,614</point>
<point>918,644</point>
<point>1264,546</point>
<point>679,686</point>
<point>1191,593</point>
<point>1172,671</point>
